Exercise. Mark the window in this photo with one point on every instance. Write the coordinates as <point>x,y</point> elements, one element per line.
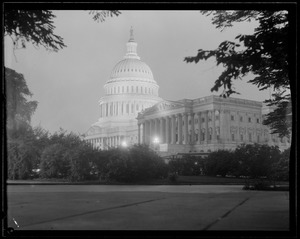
<point>196,121</point>
<point>217,117</point>
<point>249,120</point>
<point>203,120</point>
<point>232,117</point>
<point>132,89</point>
<point>241,119</point>
<point>258,139</point>
<point>232,137</point>
<point>137,90</point>
<point>242,137</point>
<point>257,121</point>
<point>189,122</point>
<point>250,137</point>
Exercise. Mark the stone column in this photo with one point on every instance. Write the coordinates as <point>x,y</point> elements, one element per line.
<point>156,127</point>
<point>199,127</point>
<point>161,134</point>
<point>173,130</point>
<point>206,127</point>
<point>167,130</point>
<point>192,128</point>
<point>213,125</point>
<point>144,132</point>
<point>139,133</point>
<point>186,128</point>
<point>151,129</point>
<point>179,117</point>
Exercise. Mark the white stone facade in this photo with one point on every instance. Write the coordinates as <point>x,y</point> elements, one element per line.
<point>130,89</point>
<point>204,125</point>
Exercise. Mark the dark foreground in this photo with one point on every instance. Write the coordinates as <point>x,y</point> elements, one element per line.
<point>164,207</point>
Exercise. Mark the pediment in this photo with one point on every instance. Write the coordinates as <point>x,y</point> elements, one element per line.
<point>163,106</point>
<point>93,130</point>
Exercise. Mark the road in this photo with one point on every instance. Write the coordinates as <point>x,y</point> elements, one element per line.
<point>165,207</point>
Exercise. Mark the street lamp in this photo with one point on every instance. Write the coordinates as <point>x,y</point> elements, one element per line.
<point>156,140</point>
<point>156,143</point>
<point>124,144</point>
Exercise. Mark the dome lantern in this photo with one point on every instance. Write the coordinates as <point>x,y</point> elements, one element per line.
<point>131,47</point>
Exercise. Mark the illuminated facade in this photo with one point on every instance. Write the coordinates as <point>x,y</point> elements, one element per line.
<point>130,89</point>
<point>205,124</point>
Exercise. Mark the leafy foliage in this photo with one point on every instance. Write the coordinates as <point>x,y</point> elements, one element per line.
<point>257,160</point>
<point>18,109</point>
<point>265,54</point>
<point>220,162</point>
<point>35,26</point>
<point>101,15</point>
<point>136,164</point>
<point>187,166</point>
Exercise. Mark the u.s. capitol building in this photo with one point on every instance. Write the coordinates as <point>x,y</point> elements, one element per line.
<point>131,112</point>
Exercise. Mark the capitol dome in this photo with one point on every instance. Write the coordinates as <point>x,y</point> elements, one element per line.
<point>133,68</point>
<point>130,89</point>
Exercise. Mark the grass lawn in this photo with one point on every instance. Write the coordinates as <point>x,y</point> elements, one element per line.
<point>181,180</point>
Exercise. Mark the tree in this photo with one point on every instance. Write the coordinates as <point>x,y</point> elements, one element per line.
<point>219,163</point>
<point>264,53</point>
<point>55,162</point>
<point>19,110</point>
<point>35,26</point>
<point>257,161</point>
<point>101,15</point>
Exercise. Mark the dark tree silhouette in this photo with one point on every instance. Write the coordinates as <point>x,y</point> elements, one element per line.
<point>264,53</point>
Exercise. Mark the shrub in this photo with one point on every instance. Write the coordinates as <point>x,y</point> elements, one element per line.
<point>21,158</point>
<point>55,162</point>
<point>187,165</point>
<point>136,164</point>
<point>220,162</point>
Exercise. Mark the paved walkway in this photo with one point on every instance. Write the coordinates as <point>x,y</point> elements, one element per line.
<point>165,207</point>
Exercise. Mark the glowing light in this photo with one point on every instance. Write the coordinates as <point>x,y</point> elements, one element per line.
<point>124,144</point>
<point>156,140</point>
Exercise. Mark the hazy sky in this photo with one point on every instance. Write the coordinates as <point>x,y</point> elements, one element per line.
<point>69,83</point>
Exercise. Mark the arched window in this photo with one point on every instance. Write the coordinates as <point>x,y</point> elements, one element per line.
<point>127,108</point>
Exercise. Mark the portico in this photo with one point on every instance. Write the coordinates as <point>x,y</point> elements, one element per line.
<point>203,125</point>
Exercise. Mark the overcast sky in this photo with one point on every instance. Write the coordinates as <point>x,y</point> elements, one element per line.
<point>69,83</point>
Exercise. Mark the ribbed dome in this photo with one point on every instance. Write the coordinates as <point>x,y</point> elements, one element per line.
<point>132,68</point>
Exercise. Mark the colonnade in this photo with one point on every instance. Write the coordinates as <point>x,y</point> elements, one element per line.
<point>118,108</point>
<point>180,128</point>
<point>106,142</point>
